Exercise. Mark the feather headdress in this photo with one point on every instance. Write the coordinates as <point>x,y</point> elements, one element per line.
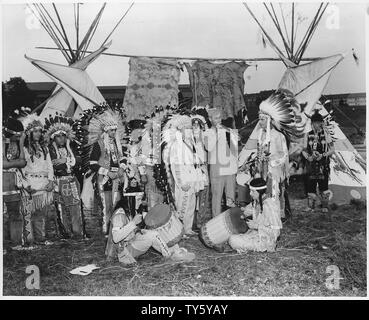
<point>59,125</point>
<point>285,113</point>
<point>171,130</point>
<point>200,114</point>
<point>329,125</point>
<point>31,122</point>
<point>94,125</point>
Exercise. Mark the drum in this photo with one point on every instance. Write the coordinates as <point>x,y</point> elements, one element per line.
<point>166,223</point>
<point>220,228</point>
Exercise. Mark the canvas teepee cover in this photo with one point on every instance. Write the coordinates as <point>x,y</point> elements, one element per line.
<point>61,101</point>
<point>74,81</point>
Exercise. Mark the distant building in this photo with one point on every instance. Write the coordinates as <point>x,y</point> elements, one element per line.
<point>353,104</point>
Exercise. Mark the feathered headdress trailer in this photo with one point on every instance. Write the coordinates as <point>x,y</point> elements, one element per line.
<point>170,134</point>
<point>94,125</point>
<point>284,113</point>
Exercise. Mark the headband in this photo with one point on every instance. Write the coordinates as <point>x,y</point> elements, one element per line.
<point>258,188</point>
<point>13,132</point>
<point>113,127</point>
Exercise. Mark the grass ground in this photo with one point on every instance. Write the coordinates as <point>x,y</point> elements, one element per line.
<point>309,243</point>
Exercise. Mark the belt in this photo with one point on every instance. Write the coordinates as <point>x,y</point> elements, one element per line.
<point>35,175</point>
<point>64,177</point>
<point>8,193</point>
<point>9,170</point>
<point>114,169</point>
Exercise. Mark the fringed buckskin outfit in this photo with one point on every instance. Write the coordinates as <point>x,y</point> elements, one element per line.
<point>67,189</point>
<point>102,161</point>
<point>38,174</point>
<point>265,225</point>
<point>279,111</point>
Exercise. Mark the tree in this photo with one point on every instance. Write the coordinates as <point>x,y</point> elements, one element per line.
<point>16,94</point>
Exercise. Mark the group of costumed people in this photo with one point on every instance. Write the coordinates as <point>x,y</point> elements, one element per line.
<point>157,180</point>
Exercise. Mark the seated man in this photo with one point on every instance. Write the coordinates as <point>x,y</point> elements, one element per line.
<point>265,225</point>
<point>127,241</point>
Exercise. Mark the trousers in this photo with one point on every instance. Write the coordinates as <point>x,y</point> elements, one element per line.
<point>71,219</point>
<point>185,203</point>
<point>109,200</point>
<point>204,209</point>
<point>219,185</point>
<point>68,205</point>
<point>141,243</point>
<point>38,220</point>
<point>13,222</point>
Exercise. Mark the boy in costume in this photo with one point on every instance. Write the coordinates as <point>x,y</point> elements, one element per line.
<point>60,136</point>
<point>318,149</point>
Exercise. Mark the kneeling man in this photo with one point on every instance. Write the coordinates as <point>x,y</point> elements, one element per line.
<point>127,241</point>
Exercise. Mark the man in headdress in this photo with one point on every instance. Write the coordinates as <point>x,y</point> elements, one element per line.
<point>179,152</point>
<point>277,120</point>
<point>107,161</point>
<point>199,125</point>
<point>127,241</point>
<point>59,134</point>
<point>318,149</point>
<point>151,155</point>
<point>13,160</point>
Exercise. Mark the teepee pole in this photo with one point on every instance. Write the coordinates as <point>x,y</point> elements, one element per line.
<point>309,33</point>
<point>313,31</point>
<point>120,20</point>
<point>82,45</point>
<point>292,28</point>
<point>52,20</point>
<point>185,58</point>
<point>306,34</point>
<point>48,28</point>
<point>91,36</point>
<point>284,24</point>
<point>65,34</point>
<point>76,25</point>
<point>277,25</point>
<point>271,42</point>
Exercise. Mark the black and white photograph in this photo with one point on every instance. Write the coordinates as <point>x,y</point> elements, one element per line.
<point>200,149</point>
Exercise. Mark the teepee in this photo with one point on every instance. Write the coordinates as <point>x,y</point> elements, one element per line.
<point>307,82</point>
<point>75,90</point>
